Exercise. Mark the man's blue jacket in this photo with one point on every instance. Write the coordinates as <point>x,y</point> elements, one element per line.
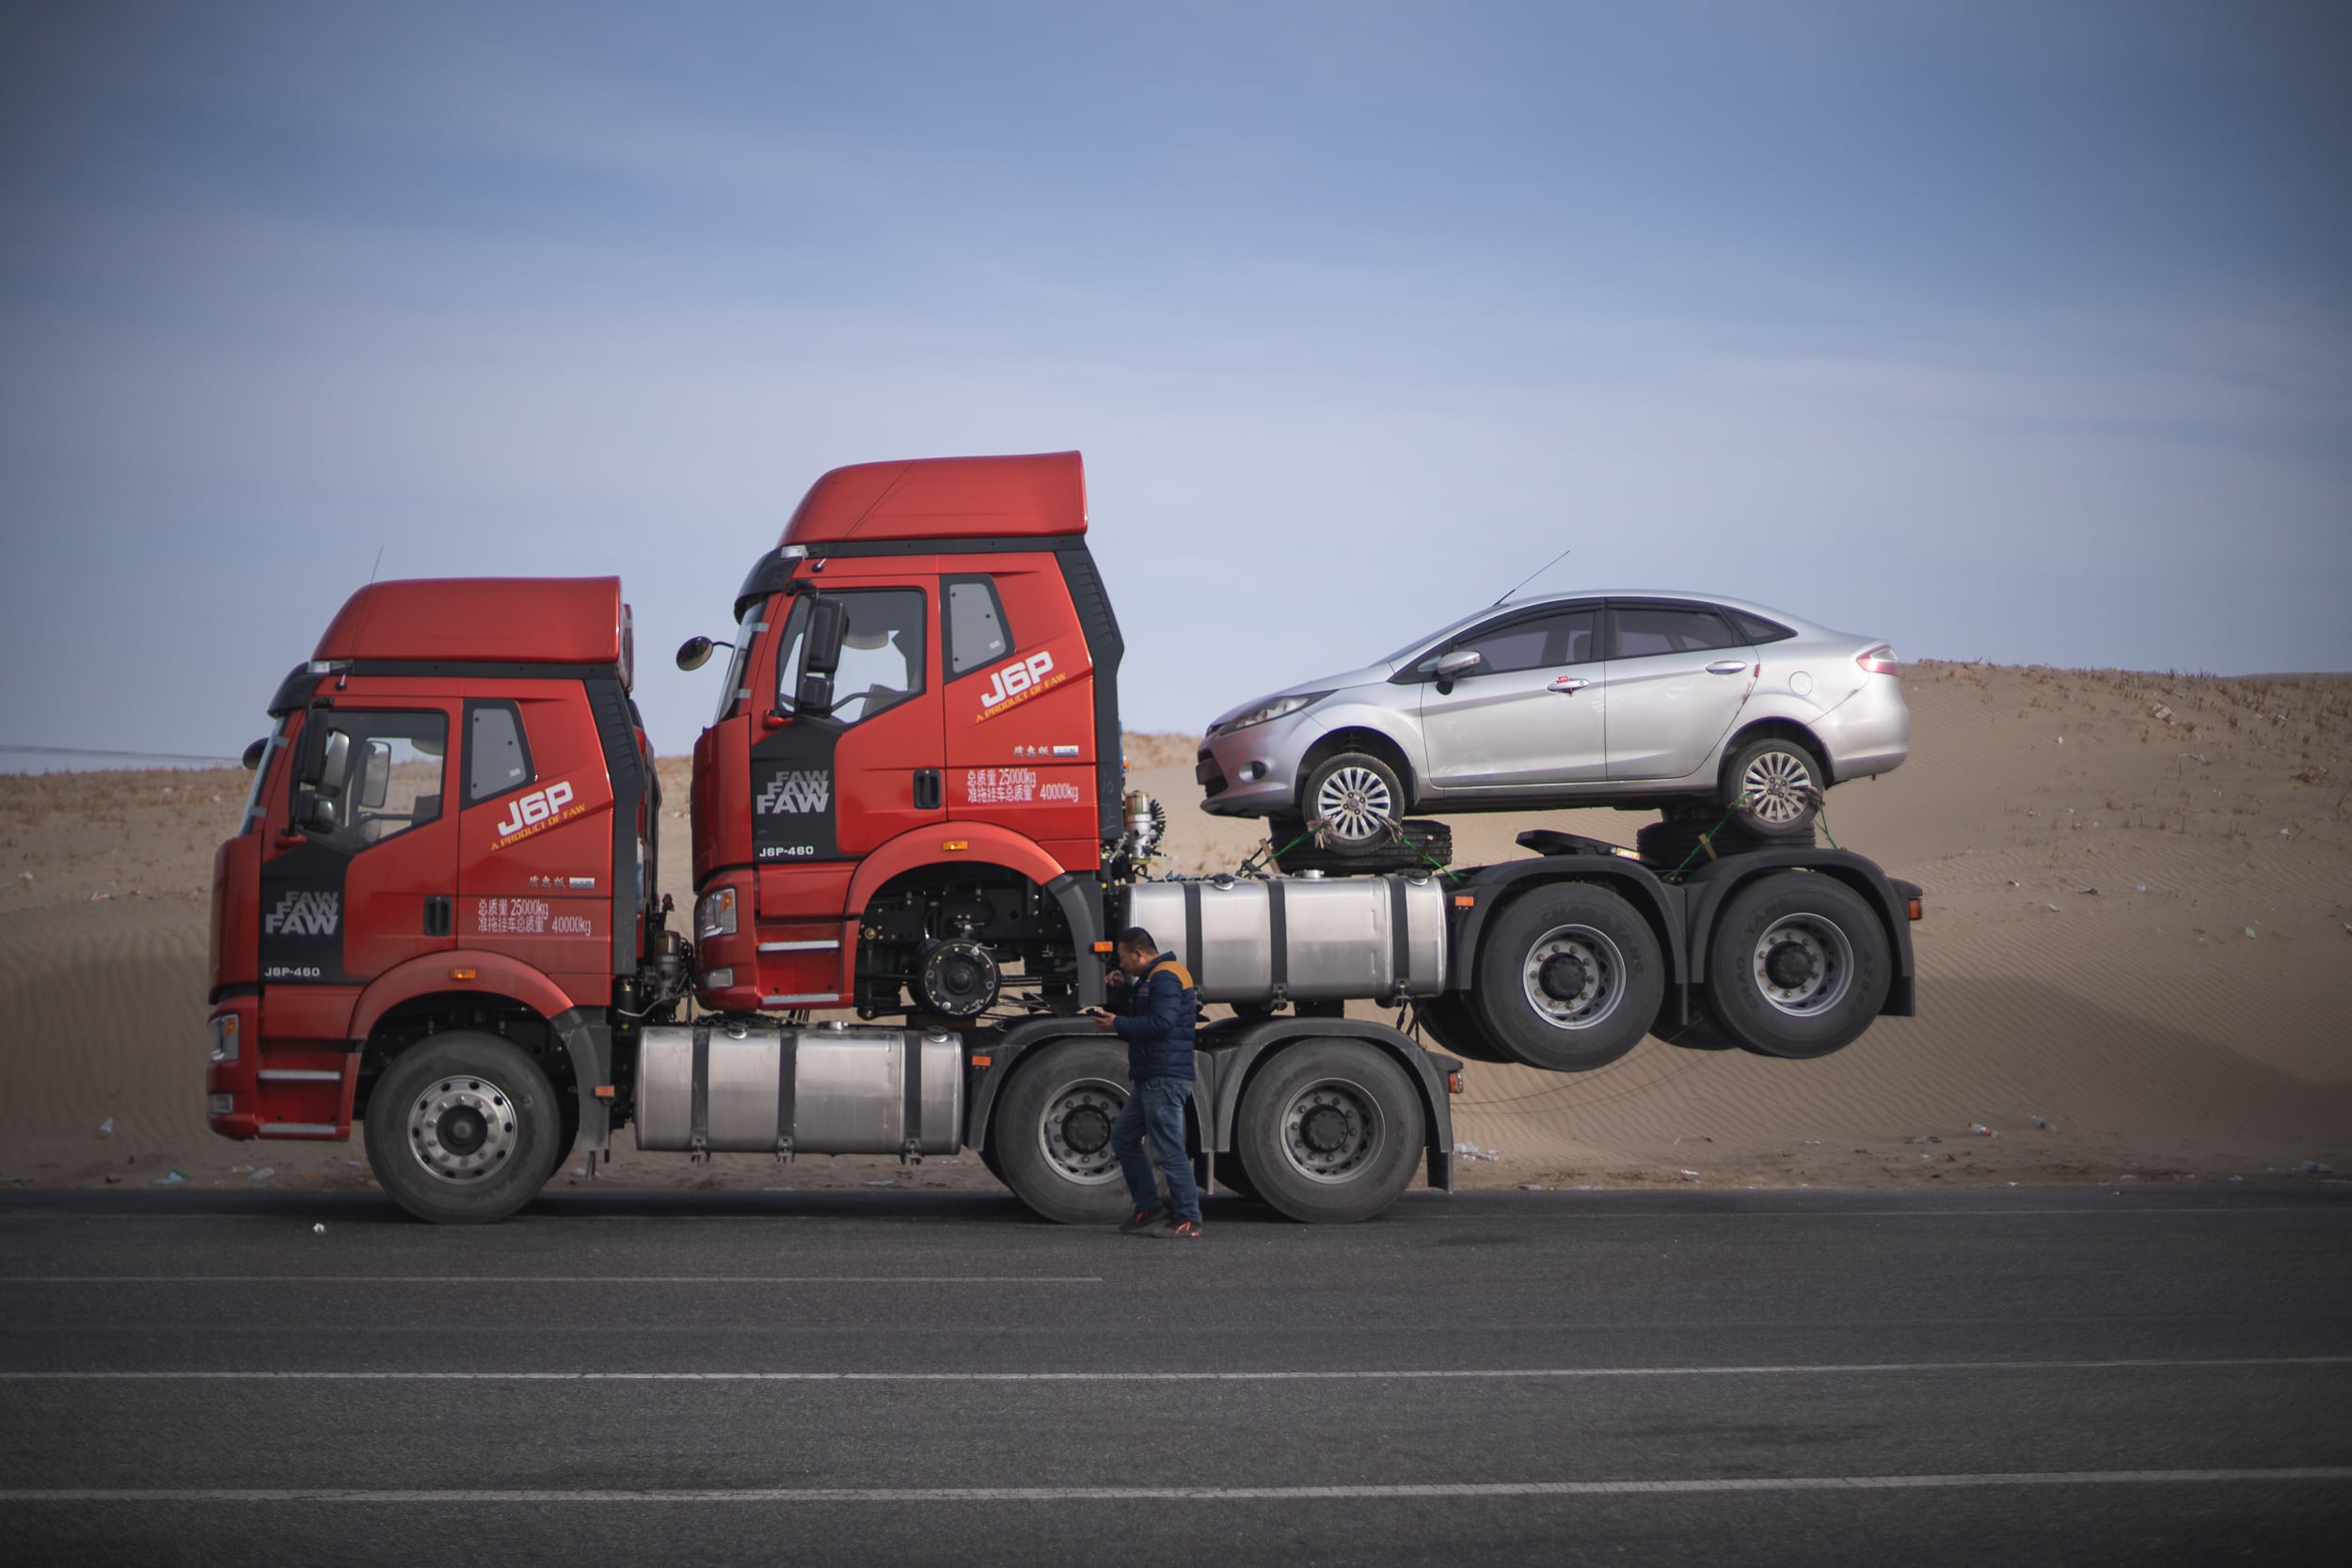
<point>1156,1017</point>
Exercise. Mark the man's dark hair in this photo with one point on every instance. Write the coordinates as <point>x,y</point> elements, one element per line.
<point>1136,940</point>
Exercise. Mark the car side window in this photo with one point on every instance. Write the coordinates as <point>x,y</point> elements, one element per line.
<point>1530,643</point>
<point>881,655</point>
<point>1648,630</point>
<point>975,628</point>
<point>1757,629</point>
<point>498,758</point>
<point>392,775</point>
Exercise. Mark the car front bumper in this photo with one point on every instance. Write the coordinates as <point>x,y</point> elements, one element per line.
<point>1254,771</point>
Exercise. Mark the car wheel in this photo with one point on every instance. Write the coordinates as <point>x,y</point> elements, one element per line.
<point>1053,1132</point>
<point>1772,789</point>
<point>1423,847</point>
<point>1568,978</point>
<point>1358,798</point>
<point>1798,966</point>
<point>1330,1132</point>
<point>463,1129</point>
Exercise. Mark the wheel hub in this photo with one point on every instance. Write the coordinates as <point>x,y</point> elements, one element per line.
<point>1355,805</point>
<point>462,1129</point>
<point>956,978</point>
<point>1803,965</point>
<point>1330,1130</point>
<point>1323,1128</point>
<point>1075,1132</point>
<point>1776,787</point>
<point>1573,977</point>
<point>1791,965</point>
<point>1563,977</point>
<point>1087,1129</point>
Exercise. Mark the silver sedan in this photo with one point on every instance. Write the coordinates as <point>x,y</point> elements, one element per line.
<point>1627,699</point>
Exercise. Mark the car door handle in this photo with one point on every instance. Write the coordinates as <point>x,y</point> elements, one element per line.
<point>1727,667</point>
<point>1569,686</point>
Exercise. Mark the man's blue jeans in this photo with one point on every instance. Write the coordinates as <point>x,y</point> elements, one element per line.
<point>1155,1113</point>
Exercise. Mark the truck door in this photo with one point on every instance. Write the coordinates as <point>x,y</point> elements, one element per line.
<point>535,868</point>
<point>342,903</point>
<point>1528,713</point>
<point>1679,674</point>
<point>834,787</point>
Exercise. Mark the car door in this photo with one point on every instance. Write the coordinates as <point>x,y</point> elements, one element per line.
<point>1679,673</point>
<point>1529,715</point>
<point>341,905</point>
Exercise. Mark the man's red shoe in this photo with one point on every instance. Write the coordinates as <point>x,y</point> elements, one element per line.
<point>1144,1222</point>
<point>1181,1230</point>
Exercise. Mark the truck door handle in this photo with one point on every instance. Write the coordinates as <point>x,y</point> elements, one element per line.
<point>1727,667</point>
<point>927,793</point>
<point>437,921</point>
<point>1569,686</point>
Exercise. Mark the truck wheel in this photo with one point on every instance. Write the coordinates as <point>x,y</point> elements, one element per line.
<point>1330,1132</point>
<point>1772,789</point>
<point>1053,1132</point>
<point>1568,978</point>
<point>1454,1029</point>
<point>463,1129</point>
<point>1798,966</point>
<point>1358,798</point>
<point>1230,1174</point>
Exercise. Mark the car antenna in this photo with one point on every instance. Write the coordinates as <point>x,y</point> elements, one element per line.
<point>1533,575</point>
<point>359,633</point>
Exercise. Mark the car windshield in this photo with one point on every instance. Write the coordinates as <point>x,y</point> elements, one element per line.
<point>1418,643</point>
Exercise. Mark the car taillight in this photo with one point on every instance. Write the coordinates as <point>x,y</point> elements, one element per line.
<point>1879,660</point>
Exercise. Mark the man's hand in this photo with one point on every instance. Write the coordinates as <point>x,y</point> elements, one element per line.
<point>1102,1020</point>
<point>1115,978</point>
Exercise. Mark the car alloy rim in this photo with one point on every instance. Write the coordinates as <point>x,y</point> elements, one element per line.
<point>461,1128</point>
<point>1573,975</point>
<point>1803,965</point>
<point>1777,787</point>
<point>1076,1130</point>
<point>1355,805</point>
<point>1332,1130</point>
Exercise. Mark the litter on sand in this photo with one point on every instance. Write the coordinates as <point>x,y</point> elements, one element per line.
<point>318,1229</point>
<point>1981,1131</point>
<point>1471,1152</point>
<point>1693,1175</point>
<point>169,1178</point>
<point>2312,1168</point>
<point>882,1183</point>
<point>263,1173</point>
<point>106,1128</point>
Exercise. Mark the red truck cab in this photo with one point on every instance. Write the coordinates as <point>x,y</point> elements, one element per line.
<point>915,820</point>
<point>452,824</point>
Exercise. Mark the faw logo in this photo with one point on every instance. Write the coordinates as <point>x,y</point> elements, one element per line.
<point>529,811</point>
<point>796,793</point>
<point>304,914</point>
<point>1013,679</point>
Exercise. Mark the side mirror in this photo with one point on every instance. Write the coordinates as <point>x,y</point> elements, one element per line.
<point>814,696</point>
<point>327,764</point>
<point>253,754</point>
<point>695,652</point>
<point>1452,668</point>
<point>827,624</point>
<point>375,774</point>
<point>324,818</point>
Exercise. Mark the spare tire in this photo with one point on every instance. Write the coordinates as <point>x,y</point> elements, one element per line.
<point>1673,846</point>
<point>1426,846</point>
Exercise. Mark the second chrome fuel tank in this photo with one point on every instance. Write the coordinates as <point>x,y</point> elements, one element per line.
<point>1300,939</point>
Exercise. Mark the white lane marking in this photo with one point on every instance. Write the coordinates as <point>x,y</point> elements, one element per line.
<point>1156,1493</point>
<point>2329,1206</point>
<point>1427,1375</point>
<point>552,1280</point>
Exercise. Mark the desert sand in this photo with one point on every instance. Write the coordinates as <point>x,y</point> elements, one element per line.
<point>2136,966</point>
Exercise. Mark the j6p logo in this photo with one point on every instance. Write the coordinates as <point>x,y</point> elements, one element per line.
<point>1013,679</point>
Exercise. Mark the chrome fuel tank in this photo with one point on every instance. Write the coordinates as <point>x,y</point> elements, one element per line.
<point>1302,938</point>
<point>721,1086</point>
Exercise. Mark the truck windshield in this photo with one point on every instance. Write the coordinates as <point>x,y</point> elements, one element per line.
<point>747,626</point>
<point>276,744</point>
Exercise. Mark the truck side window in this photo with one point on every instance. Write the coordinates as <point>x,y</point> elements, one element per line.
<point>881,656</point>
<point>392,773</point>
<point>975,630</point>
<point>498,758</point>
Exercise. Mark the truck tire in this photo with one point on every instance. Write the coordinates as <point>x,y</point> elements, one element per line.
<point>1454,1029</point>
<point>1330,1132</point>
<point>1676,845</point>
<point>1230,1175</point>
<point>463,1129</point>
<point>1053,1132</point>
<point>1425,845</point>
<point>1569,978</point>
<point>1358,798</point>
<point>1772,789</point>
<point>1798,967</point>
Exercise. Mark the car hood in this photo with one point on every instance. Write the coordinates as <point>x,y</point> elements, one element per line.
<point>1370,674</point>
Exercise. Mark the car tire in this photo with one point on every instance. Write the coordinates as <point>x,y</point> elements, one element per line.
<point>463,1129</point>
<point>1358,798</point>
<point>1689,844</point>
<point>1772,789</point>
<point>1330,1132</point>
<point>1063,1170</point>
<point>1798,966</point>
<point>1454,1028</point>
<point>1425,847</point>
<point>1575,1016</point>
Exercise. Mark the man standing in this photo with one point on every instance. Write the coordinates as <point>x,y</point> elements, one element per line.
<point>1157,1010</point>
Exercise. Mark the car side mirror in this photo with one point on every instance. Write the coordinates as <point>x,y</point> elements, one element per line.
<point>1452,668</point>
<point>827,624</point>
<point>695,653</point>
<point>253,754</point>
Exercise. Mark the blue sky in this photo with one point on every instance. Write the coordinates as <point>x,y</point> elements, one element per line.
<point>2021,332</point>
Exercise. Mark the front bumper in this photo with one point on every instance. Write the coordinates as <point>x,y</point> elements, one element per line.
<point>1254,771</point>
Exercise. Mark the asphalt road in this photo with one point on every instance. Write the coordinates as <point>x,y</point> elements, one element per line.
<point>2030,1376</point>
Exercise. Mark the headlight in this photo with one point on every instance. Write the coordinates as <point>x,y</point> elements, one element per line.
<point>717,979</point>
<point>225,1037</point>
<point>1277,708</point>
<point>714,917</point>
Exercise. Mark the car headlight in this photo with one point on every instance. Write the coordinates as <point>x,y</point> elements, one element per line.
<point>714,915</point>
<point>1278,707</point>
<point>225,1037</point>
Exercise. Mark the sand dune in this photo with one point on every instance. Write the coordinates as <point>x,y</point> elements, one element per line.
<point>2137,962</point>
